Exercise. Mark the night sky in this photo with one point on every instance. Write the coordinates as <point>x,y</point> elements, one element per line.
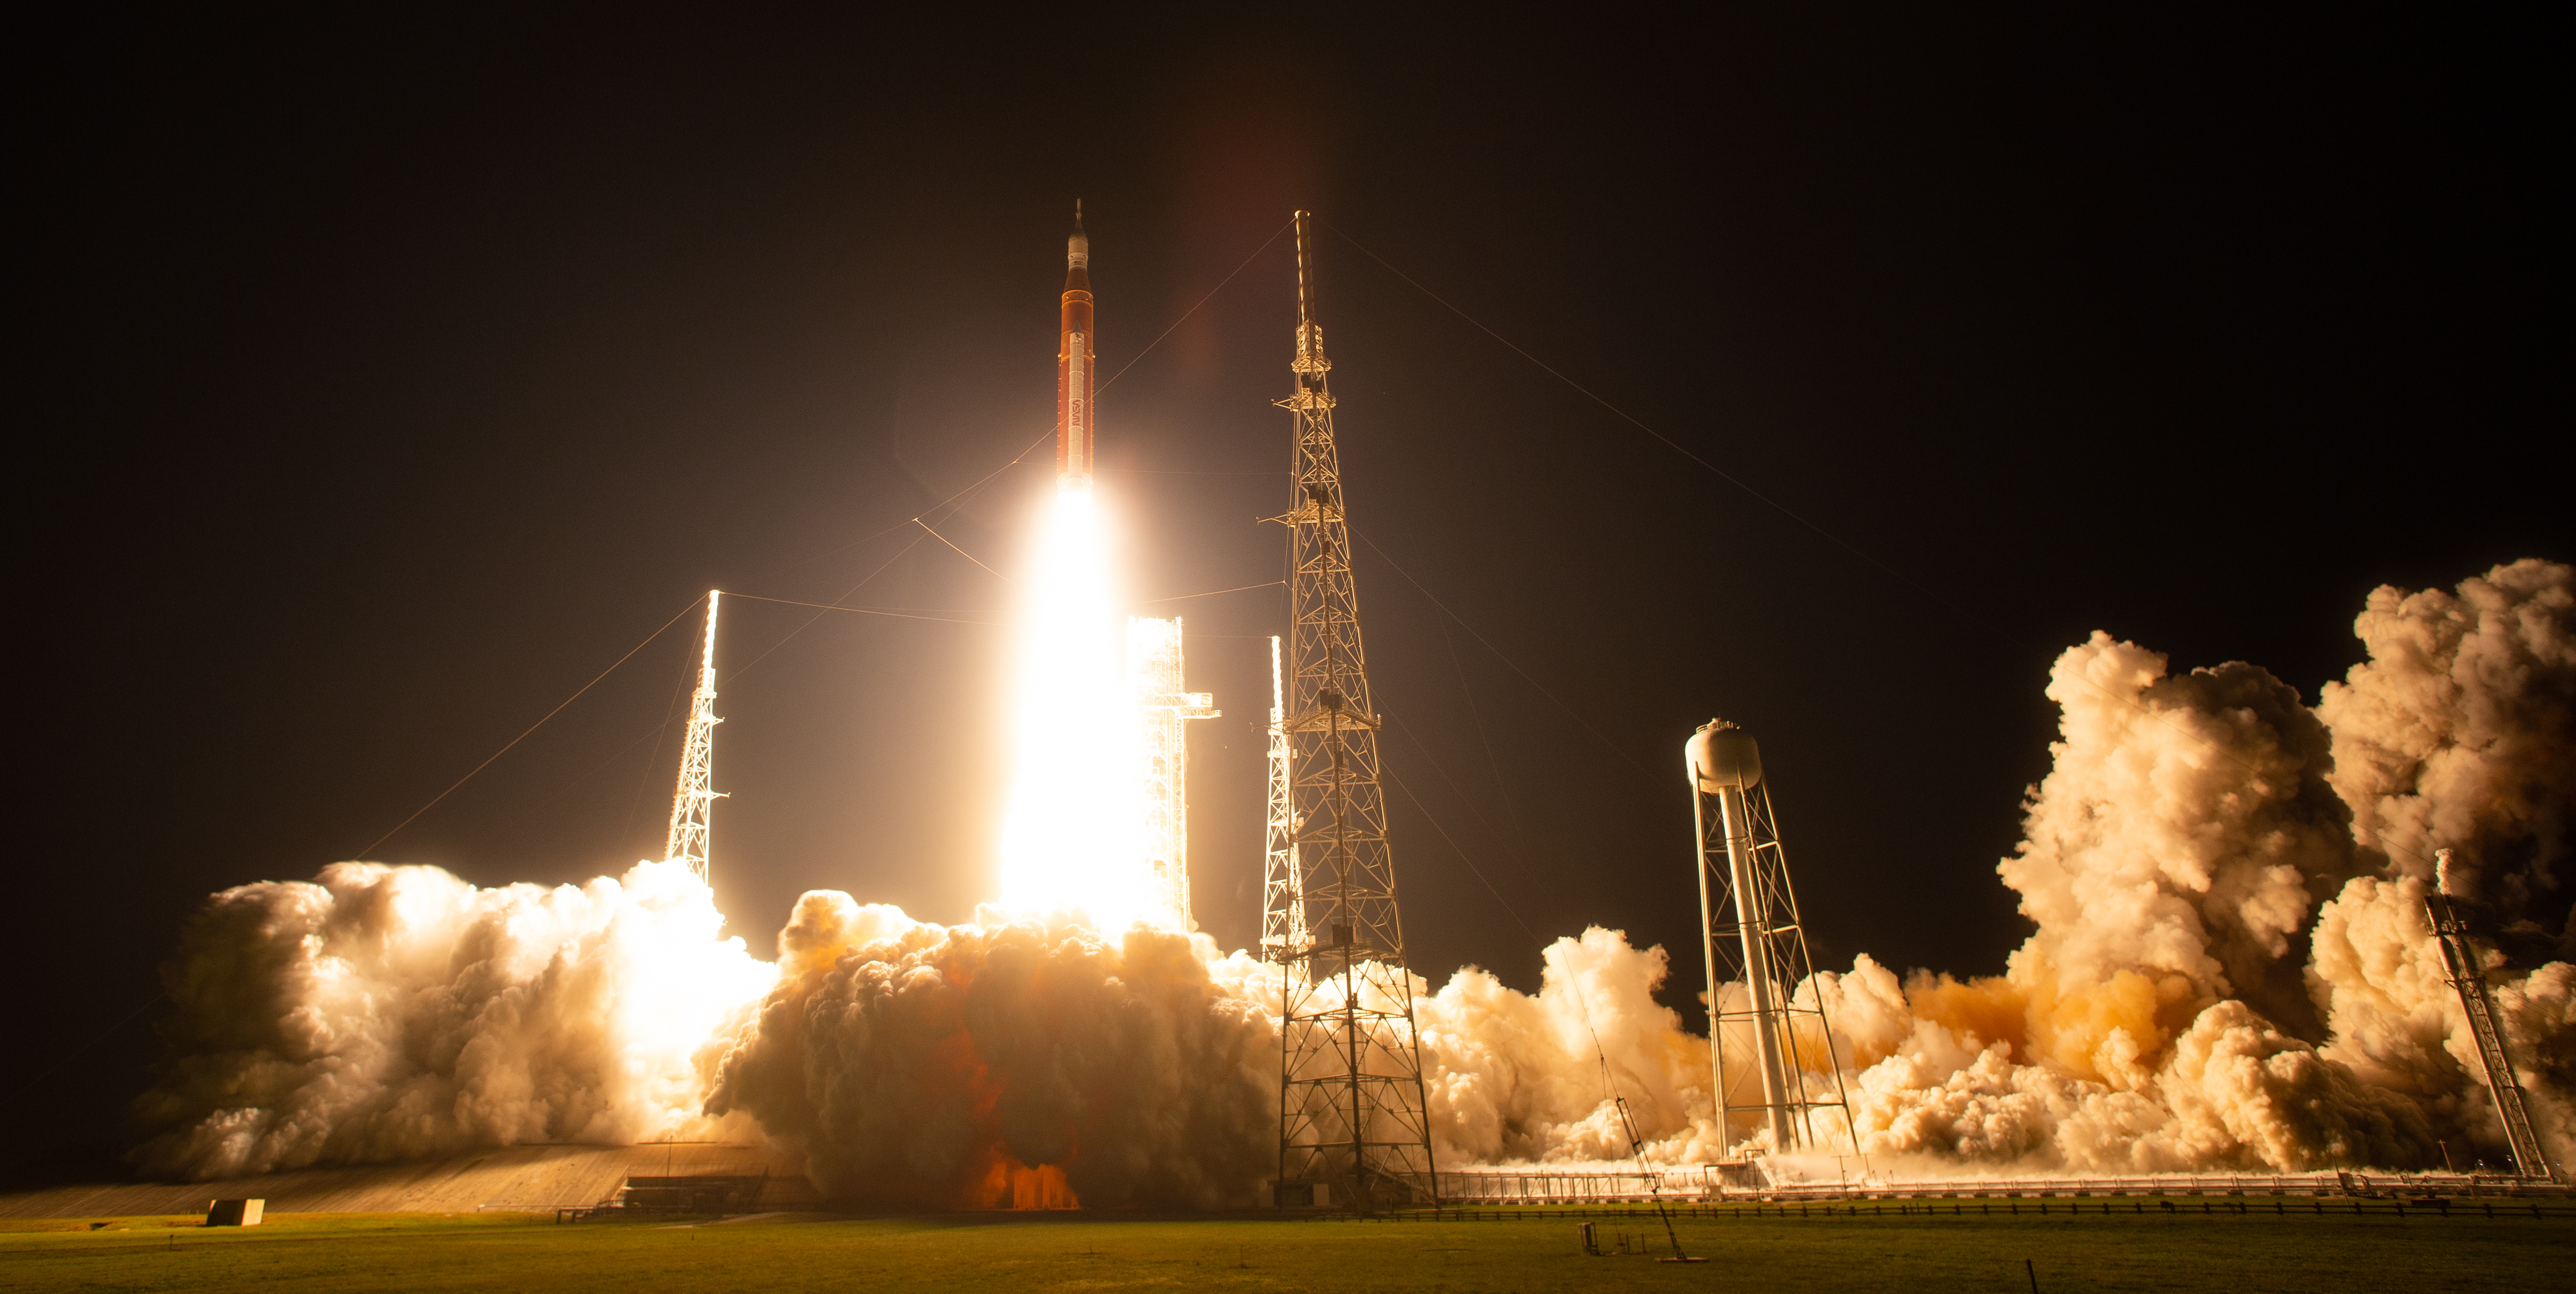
<point>385,379</point>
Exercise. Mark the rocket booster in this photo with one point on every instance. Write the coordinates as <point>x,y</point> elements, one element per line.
<point>1074,431</point>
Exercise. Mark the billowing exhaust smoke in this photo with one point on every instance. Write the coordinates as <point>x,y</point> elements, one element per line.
<point>2231,971</point>
<point>2232,968</point>
<point>1024,1063</point>
<point>383,1013</point>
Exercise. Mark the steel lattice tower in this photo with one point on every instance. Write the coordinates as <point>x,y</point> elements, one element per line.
<point>1283,922</point>
<point>2468,977</point>
<point>690,804</point>
<point>1751,936</point>
<point>1351,1099</point>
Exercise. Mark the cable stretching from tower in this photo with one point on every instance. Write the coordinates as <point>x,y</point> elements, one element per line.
<point>694,798</point>
<point>1351,1098</point>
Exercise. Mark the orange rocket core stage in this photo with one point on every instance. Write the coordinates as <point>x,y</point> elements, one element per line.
<point>1074,431</point>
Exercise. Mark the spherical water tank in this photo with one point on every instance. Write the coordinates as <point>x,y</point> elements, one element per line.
<point>1721,755</point>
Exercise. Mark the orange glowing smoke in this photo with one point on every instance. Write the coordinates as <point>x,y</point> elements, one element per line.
<point>995,1178</point>
<point>1010,1184</point>
<point>1020,1064</point>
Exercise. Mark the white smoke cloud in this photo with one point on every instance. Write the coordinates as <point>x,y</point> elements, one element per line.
<point>1516,1078</point>
<point>2458,733</point>
<point>2230,971</point>
<point>383,1013</point>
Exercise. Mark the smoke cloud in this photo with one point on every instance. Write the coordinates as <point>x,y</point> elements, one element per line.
<point>1028,1063</point>
<point>2230,971</point>
<point>2458,733</point>
<point>382,1013</point>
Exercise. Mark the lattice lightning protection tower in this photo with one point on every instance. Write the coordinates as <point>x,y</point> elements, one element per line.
<point>690,804</point>
<point>1755,944</point>
<point>1283,920</point>
<point>1351,1099</point>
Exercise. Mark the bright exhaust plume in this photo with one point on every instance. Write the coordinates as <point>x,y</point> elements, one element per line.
<point>1073,836</point>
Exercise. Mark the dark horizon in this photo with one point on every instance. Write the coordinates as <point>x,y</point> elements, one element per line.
<point>402,373</point>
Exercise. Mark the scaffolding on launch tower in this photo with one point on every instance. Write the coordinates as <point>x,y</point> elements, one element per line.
<point>1352,1106</point>
<point>687,842</point>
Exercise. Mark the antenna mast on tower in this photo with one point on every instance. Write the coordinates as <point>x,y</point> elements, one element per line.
<point>689,805</point>
<point>1352,1108</point>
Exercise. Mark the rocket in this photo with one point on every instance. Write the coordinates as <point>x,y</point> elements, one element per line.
<point>1074,431</point>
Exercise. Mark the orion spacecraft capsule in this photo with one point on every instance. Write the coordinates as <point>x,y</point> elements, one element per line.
<point>1074,431</point>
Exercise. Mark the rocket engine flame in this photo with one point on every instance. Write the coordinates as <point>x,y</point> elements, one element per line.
<point>1073,838</point>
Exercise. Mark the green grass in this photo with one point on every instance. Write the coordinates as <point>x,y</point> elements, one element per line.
<point>349,1253</point>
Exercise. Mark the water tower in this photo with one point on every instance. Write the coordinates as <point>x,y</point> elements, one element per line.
<point>1757,954</point>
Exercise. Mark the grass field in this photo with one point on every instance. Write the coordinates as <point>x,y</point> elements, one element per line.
<point>349,1253</point>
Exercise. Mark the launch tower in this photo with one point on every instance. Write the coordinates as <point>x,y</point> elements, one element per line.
<point>1283,918</point>
<point>1164,710</point>
<point>1756,951</point>
<point>694,798</point>
<point>1351,1100</point>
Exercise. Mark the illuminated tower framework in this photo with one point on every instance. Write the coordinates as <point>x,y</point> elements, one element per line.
<point>2468,978</point>
<point>1283,922</point>
<point>1164,710</point>
<point>1753,941</point>
<point>1351,1100</point>
<point>690,804</point>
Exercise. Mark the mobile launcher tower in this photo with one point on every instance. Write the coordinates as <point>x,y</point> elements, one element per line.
<point>1756,949</point>
<point>1164,710</point>
<point>1353,1127</point>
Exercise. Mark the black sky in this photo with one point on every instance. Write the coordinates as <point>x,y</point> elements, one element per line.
<point>384,378</point>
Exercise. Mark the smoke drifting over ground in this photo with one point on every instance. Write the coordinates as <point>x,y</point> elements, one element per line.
<point>2231,971</point>
<point>382,1013</point>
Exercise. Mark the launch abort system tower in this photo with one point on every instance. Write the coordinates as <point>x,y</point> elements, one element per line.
<point>1756,950</point>
<point>1351,1100</point>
